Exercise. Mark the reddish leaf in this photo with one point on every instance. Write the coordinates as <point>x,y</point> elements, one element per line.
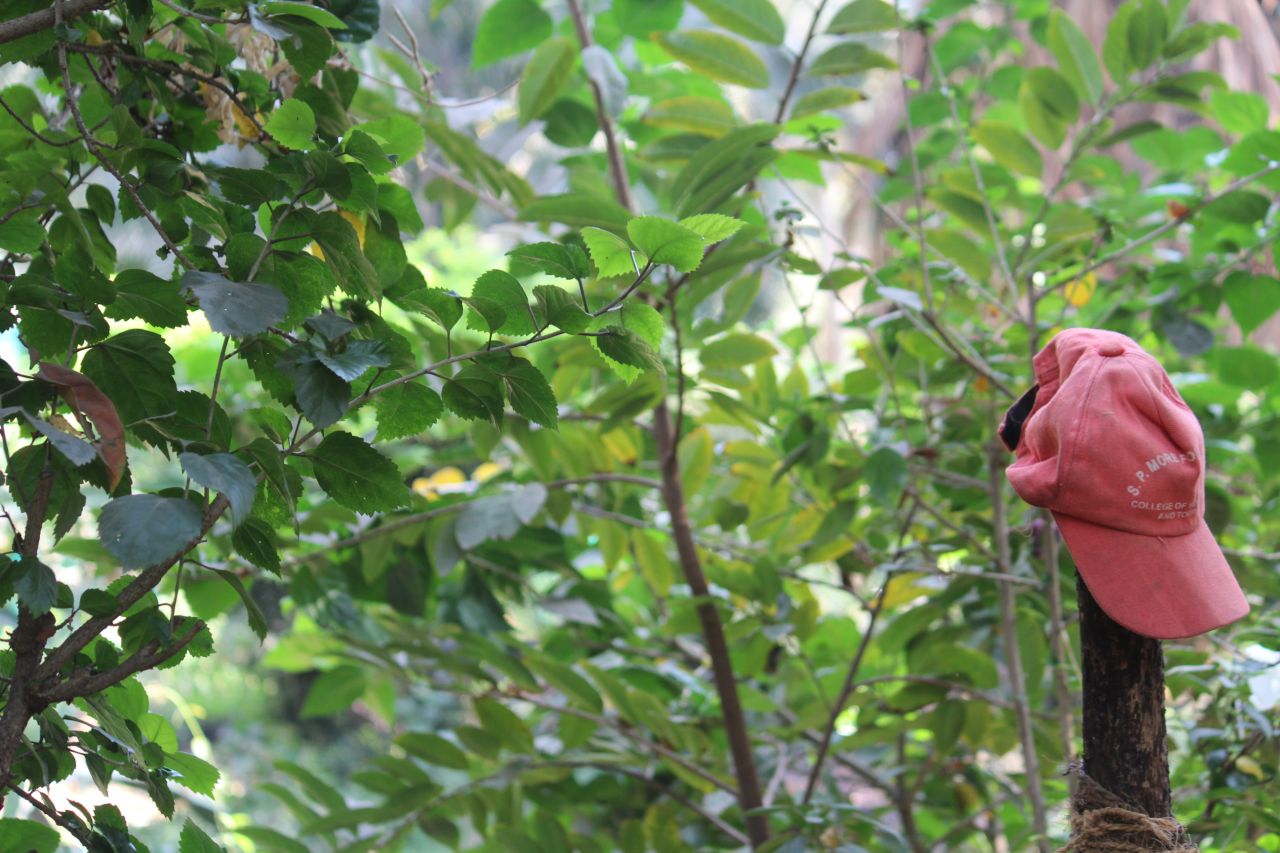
<point>88,401</point>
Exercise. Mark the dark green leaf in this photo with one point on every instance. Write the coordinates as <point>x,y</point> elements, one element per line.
<point>886,473</point>
<point>504,290</point>
<point>626,347</point>
<point>143,530</point>
<point>475,393</point>
<point>135,370</point>
<point>334,691</point>
<point>529,393</point>
<point>255,540</point>
<point>433,749</point>
<point>562,260</point>
<point>406,410</point>
<point>357,476</point>
<point>560,309</point>
<point>355,358</point>
<point>225,474</point>
<point>257,619</point>
<point>147,297</point>
<point>35,584</point>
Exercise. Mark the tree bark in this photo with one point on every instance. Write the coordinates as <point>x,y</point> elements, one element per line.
<point>1125,746</point>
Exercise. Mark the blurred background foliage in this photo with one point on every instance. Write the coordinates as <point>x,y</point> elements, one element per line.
<point>921,196</point>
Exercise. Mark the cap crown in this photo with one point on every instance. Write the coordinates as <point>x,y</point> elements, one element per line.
<point>1109,440</point>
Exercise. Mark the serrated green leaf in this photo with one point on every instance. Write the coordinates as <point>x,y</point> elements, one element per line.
<point>357,476</point>
<point>712,227</point>
<point>529,393</point>
<point>135,370</point>
<point>667,242</point>
<point>194,839</point>
<point>35,585</point>
<point>407,409</point>
<point>355,358</point>
<point>255,540</point>
<point>562,260</point>
<point>27,836</point>
<point>257,619</point>
<point>475,393</point>
<point>225,474</point>
<point>293,125</point>
<point>577,210</point>
<point>560,309</point>
<point>626,347</point>
<point>505,291</point>
<point>147,297</point>
<point>611,254</point>
<point>143,530</point>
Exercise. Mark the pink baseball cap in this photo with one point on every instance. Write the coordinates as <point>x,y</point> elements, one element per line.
<point>1105,442</point>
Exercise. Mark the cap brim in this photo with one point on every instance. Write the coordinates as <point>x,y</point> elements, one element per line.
<point>1161,587</point>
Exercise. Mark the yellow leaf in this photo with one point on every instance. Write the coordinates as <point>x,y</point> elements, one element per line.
<point>93,38</point>
<point>441,481</point>
<point>903,588</point>
<point>1245,764</point>
<point>486,471</point>
<point>1080,291</point>
<point>619,444</point>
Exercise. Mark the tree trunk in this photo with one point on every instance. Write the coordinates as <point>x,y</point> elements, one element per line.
<point>1125,747</point>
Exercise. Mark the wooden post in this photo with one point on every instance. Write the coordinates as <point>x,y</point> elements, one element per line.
<point>1125,746</point>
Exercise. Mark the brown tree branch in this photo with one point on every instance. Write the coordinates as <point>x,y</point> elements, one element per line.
<point>86,682</point>
<point>46,19</point>
<point>750,798</point>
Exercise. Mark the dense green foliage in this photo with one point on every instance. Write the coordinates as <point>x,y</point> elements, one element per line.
<point>625,543</point>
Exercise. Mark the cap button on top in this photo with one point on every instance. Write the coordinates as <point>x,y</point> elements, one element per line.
<point>1111,348</point>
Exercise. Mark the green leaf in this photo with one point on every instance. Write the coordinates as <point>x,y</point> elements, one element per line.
<point>443,307</point>
<point>499,516</point>
<point>357,476</point>
<point>501,722</point>
<point>293,125</point>
<point>712,227</point>
<point>475,393</point>
<point>22,233</point>
<point>147,297</point>
<point>641,17</point>
<point>1049,105</point>
<point>194,839</point>
<point>194,774</point>
<point>398,135</point>
<point>1148,27</point>
<point>355,358</point>
<point>344,256</point>
<point>77,450</point>
<point>1251,298</point>
<point>626,347</point>
<point>864,16</point>
<point>314,14</point>
<point>1239,112</point>
<point>545,75</point>
<point>559,309</point>
<point>27,836</point>
<point>257,619</point>
<point>1009,147</point>
<point>225,474</point>
<point>433,749</point>
<point>577,210</point>
<point>333,692</point>
<point>135,370</point>
<point>693,113</point>
<point>666,242</point>
<point>886,474</point>
<point>509,27</point>
<point>144,530</point>
<point>1246,366</point>
<point>1115,46</point>
<point>716,55</point>
<point>504,290</point>
<point>529,393</point>
<point>829,98</point>
<point>562,260</point>
<point>736,350</point>
<point>255,540</point>
<point>35,584</point>
<point>235,308</point>
<point>849,57</point>
<point>407,409</point>
<point>645,324</point>
<point>1076,58</point>
<point>758,20</point>
<point>611,254</point>
<point>320,394</point>
<point>723,166</point>
<point>360,16</point>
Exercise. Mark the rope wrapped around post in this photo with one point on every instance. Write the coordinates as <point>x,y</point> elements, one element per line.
<point>1102,822</point>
